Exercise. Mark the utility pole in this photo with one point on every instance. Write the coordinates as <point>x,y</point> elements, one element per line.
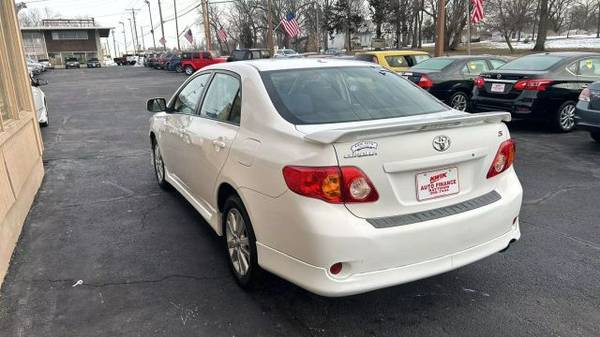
<point>440,27</point>
<point>114,42</point>
<point>162,27</point>
<point>151,24</point>
<point>132,36</point>
<point>207,25</point>
<point>176,24</point>
<point>469,27</point>
<point>124,35</point>
<point>270,44</point>
<point>142,34</point>
<point>137,41</point>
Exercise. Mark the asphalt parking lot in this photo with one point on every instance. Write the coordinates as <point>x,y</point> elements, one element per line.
<point>106,252</point>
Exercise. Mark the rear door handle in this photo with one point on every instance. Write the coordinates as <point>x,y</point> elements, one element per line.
<point>219,144</point>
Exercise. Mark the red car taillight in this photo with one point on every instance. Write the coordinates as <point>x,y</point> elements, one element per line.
<point>334,184</point>
<point>535,85</point>
<point>504,158</point>
<point>585,95</point>
<point>425,82</point>
<point>479,82</point>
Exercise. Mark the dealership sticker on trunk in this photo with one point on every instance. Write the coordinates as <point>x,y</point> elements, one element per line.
<point>435,184</point>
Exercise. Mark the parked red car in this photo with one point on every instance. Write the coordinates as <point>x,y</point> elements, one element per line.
<point>192,61</point>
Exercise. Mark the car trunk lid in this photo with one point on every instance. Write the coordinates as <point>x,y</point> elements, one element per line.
<point>500,84</point>
<point>402,158</point>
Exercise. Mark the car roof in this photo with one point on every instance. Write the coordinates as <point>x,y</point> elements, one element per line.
<point>566,54</point>
<point>293,63</point>
<point>394,52</point>
<point>468,57</point>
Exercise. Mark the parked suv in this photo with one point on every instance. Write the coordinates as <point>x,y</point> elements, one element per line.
<point>192,61</point>
<point>249,54</point>
<point>72,62</point>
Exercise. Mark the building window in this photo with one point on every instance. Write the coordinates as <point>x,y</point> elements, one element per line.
<point>70,35</point>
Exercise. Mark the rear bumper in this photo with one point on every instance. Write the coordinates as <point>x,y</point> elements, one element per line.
<point>300,238</point>
<point>528,107</point>
<point>318,280</point>
<point>585,119</point>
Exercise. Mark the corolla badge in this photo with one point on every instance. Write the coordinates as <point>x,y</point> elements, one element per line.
<point>441,143</point>
<point>364,148</point>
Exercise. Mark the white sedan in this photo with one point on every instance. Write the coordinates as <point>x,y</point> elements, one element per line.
<point>39,100</point>
<point>336,175</point>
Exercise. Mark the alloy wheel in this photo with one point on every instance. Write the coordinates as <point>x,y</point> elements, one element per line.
<point>158,164</point>
<point>238,244</point>
<point>189,71</point>
<point>567,117</point>
<point>459,102</point>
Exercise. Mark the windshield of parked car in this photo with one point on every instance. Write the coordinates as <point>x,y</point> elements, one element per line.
<point>438,63</point>
<point>533,62</point>
<point>345,94</point>
<point>71,59</point>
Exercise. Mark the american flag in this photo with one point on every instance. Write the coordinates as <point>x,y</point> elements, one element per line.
<point>188,35</point>
<point>477,14</point>
<point>290,25</point>
<point>222,35</point>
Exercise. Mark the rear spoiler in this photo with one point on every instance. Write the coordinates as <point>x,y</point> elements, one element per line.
<point>387,128</point>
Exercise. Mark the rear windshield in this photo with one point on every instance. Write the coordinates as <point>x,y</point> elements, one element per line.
<point>537,62</point>
<point>345,94</point>
<point>71,59</point>
<point>434,64</point>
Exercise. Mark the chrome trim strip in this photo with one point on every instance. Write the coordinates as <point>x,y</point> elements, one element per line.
<point>432,214</point>
<point>500,81</point>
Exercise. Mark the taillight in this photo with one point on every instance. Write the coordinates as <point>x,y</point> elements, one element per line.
<point>425,82</point>
<point>535,85</point>
<point>504,158</point>
<point>334,184</point>
<point>585,94</point>
<point>479,82</point>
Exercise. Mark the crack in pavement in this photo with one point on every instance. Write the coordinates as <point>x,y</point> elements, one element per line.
<point>553,194</point>
<point>587,243</point>
<point>72,283</point>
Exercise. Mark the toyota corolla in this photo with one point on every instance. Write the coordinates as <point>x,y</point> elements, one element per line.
<point>339,176</point>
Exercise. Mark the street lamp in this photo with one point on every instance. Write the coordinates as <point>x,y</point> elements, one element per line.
<point>151,24</point>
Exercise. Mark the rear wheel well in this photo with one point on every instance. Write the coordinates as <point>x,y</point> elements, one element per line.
<point>225,190</point>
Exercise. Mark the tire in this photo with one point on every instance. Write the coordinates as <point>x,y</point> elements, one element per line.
<point>459,101</point>
<point>564,117</point>
<point>178,68</point>
<point>595,136</point>
<point>159,166</point>
<point>189,70</point>
<point>240,243</point>
<point>45,124</point>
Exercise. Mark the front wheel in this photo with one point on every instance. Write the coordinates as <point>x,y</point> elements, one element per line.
<point>564,118</point>
<point>159,165</point>
<point>595,136</point>
<point>459,101</point>
<point>189,70</point>
<point>240,243</point>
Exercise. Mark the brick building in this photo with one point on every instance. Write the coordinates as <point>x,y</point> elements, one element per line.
<point>57,39</point>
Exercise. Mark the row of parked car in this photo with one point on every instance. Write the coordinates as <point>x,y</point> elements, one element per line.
<point>557,88</point>
<point>544,87</point>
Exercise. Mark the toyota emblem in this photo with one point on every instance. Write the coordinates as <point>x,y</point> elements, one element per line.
<point>498,76</point>
<point>441,143</point>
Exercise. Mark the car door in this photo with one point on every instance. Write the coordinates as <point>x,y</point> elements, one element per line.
<point>172,139</point>
<point>211,134</point>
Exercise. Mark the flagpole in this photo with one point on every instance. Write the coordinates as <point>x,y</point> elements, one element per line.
<point>469,27</point>
<point>270,42</point>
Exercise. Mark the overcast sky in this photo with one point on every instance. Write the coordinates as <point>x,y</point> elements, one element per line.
<point>110,12</point>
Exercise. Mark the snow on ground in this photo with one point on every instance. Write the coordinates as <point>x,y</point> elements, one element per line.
<point>552,42</point>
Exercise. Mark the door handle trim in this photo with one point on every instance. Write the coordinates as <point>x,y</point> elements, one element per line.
<point>219,143</point>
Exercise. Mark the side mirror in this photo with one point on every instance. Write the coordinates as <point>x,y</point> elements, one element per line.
<point>157,104</point>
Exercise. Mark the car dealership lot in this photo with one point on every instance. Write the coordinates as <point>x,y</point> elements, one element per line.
<point>150,266</point>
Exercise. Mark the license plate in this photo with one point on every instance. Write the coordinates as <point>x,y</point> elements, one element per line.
<point>436,184</point>
<point>498,87</point>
